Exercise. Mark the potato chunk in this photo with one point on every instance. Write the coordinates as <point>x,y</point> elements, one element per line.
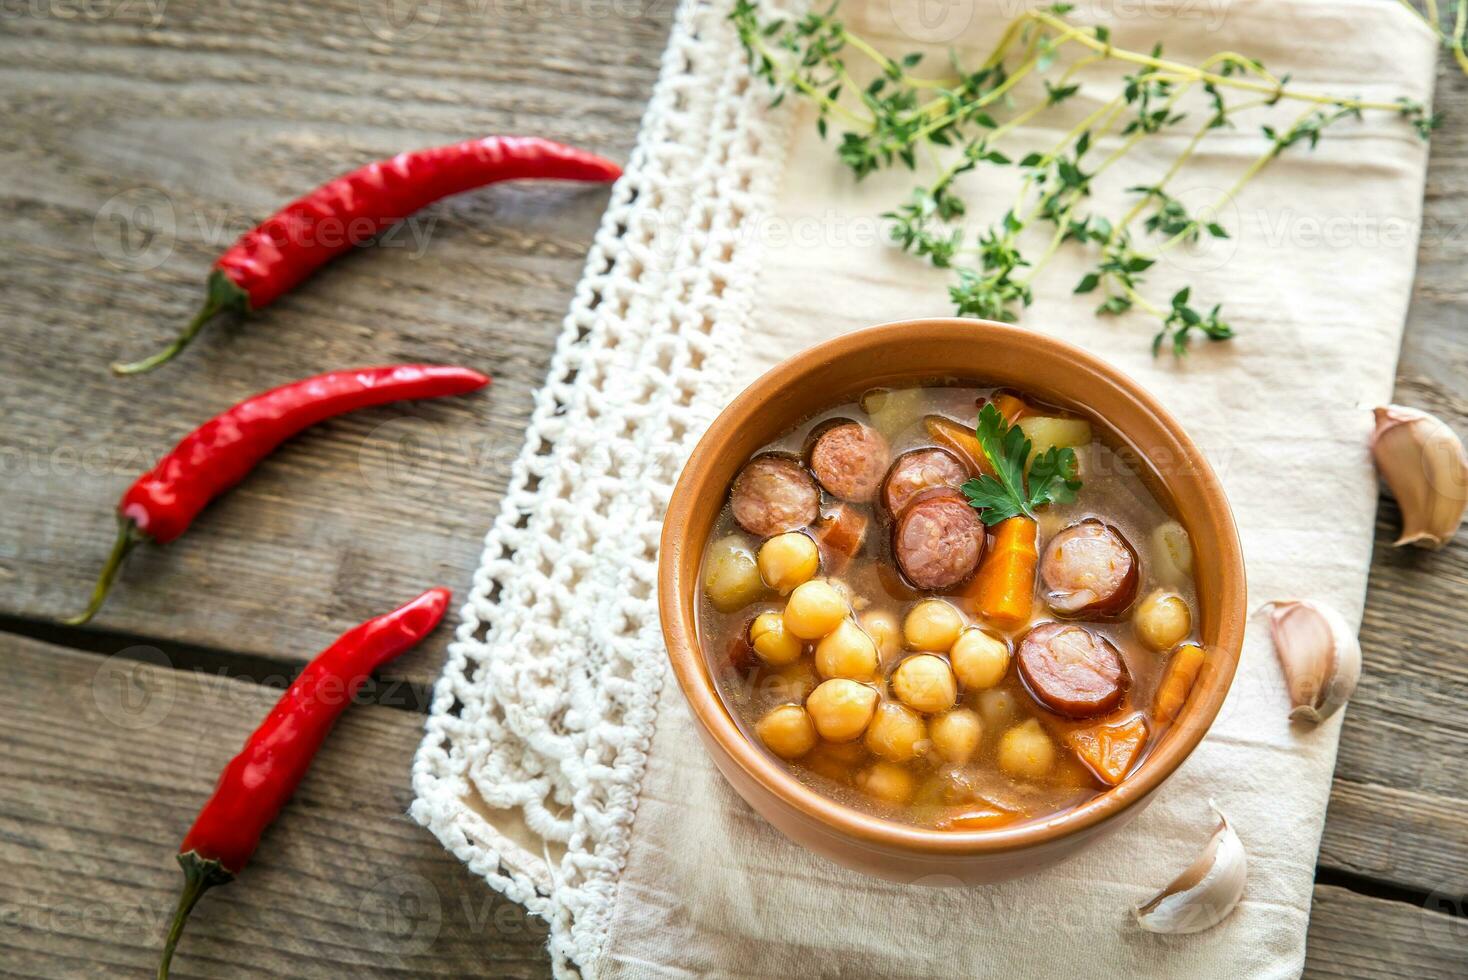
<point>731,577</point>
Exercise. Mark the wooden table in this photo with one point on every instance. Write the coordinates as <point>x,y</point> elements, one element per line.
<point>135,147</point>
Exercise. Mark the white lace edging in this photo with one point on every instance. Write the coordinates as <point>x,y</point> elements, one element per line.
<point>546,705</point>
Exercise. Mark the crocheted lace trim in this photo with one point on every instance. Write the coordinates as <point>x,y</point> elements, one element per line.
<point>546,706</point>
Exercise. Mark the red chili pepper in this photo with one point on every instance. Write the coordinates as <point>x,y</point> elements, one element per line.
<point>163,502</point>
<point>274,257</point>
<point>257,782</point>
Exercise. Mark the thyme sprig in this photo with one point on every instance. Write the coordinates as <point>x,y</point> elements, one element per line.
<point>958,123</point>
<point>1451,34</point>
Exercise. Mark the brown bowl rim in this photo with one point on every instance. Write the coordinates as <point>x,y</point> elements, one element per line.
<point>710,712</point>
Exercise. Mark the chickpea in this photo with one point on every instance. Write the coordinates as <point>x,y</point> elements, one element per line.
<point>897,733</point>
<point>882,627</point>
<point>1026,751</point>
<point>888,782</point>
<point>979,659</point>
<point>731,577</point>
<point>837,762</point>
<point>850,754</point>
<point>925,683</point>
<point>1172,552</point>
<point>1162,620</point>
<point>932,625</point>
<point>998,708</point>
<point>787,731</point>
<point>956,734</point>
<point>841,708</point>
<point>772,642</point>
<point>788,559</point>
<point>815,609</point>
<point>847,652</point>
<point>793,682</point>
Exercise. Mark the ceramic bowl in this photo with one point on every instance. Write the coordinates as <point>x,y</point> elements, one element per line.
<point>986,353</point>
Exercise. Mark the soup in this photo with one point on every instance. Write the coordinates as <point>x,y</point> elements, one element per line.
<point>949,605</point>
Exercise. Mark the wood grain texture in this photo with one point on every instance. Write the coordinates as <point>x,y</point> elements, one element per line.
<point>101,787</point>
<point>106,761</point>
<point>1397,809</point>
<point>1353,935</point>
<point>134,148</point>
<point>132,155</point>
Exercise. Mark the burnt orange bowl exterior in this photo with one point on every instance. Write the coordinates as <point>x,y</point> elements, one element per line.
<point>987,353</point>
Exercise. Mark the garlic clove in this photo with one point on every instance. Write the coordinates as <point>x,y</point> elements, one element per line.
<point>1320,655</point>
<point>1423,463</point>
<point>1206,892</point>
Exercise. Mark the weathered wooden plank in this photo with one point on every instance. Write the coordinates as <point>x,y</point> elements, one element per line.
<point>1397,808</point>
<point>1353,935</point>
<point>106,760</point>
<point>104,778</point>
<point>195,127</point>
<point>1404,837</point>
<point>227,110</point>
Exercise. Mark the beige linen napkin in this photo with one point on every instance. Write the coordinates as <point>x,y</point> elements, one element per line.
<point>1315,278</point>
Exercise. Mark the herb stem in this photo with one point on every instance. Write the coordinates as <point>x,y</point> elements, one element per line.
<point>1040,107</point>
<point>1459,27</point>
<point>901,116</point>
<point>993,95</point>
<point>1142,302</point>
<point>1429,20</point>
<point>795,78</point>
<point>886,64</point>
<point>1188,71</point>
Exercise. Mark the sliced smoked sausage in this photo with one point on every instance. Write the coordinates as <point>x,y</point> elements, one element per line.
<point>774,494</point>
<point>916,471</point>
<point>938,539</point>
<point>849,459</point>
<point>1071,670</point>
<point>1089,569</point>
<point>841,533</point>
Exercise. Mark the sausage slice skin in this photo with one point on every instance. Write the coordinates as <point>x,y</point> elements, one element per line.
<point>916,471</point>
<point>849,460</point>
<point>1089,569</point>
<point>773,494</point>
<point>938,540</point>
<point>1071,670</point>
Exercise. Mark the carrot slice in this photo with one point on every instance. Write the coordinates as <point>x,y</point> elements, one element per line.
<point>1110,748</point>
<point>958,439</point>
<point>1177,680</point>
<point>1011,406</point>
<point>1003,592</point>
<point>978,818</point>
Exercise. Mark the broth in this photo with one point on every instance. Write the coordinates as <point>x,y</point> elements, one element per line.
<point>908,763</point>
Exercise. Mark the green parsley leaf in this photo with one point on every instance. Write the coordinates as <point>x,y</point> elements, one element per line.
<point>1005,493</point>
<point>1053,477</point>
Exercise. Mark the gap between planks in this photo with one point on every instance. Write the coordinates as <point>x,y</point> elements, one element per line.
<point>399,694</point>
